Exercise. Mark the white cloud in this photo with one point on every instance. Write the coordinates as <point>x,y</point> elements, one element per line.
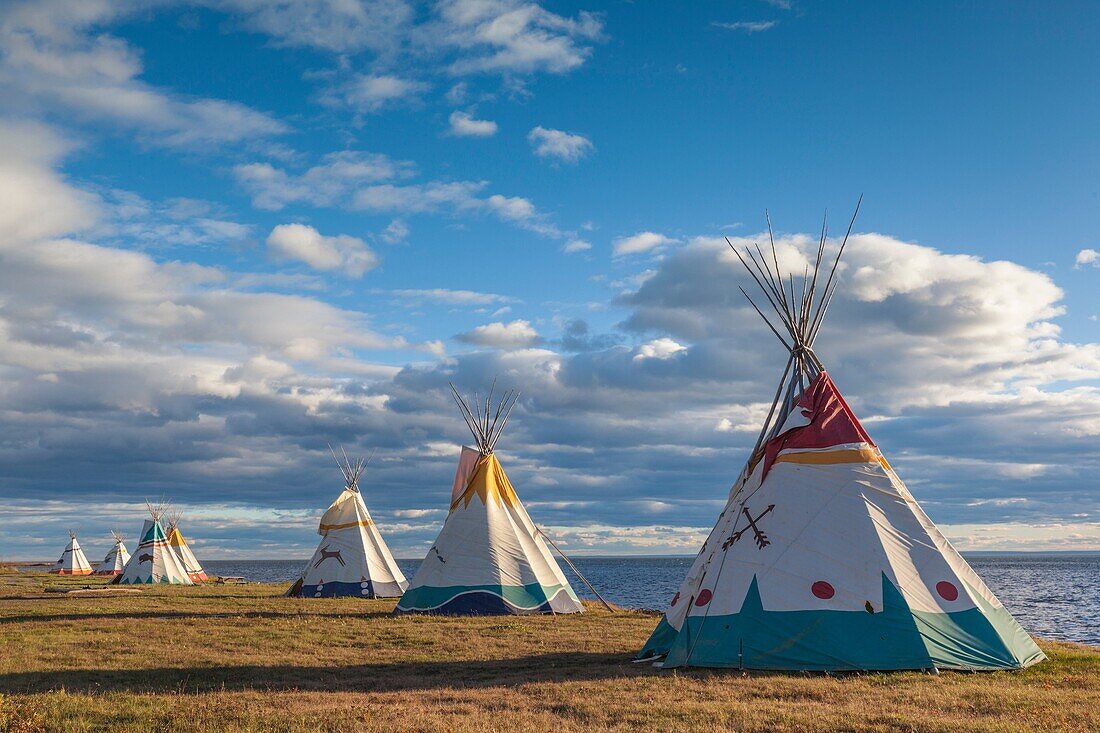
<point>455,197</point>
<point>512,36</point>
<point>517,334</point>
<point>37,201</point>
<point>305,244</point>
<point>1006,501</point>
<point>662,348</point>
<point>576,245</point>
<point>54,54</point>
<point>453,297</point>
<point>464,124</point>
<point>640,242</point>
<point>747,26</point>
<point>325,184</point>
<point>421,197</point>
<point>371,93</point>
<point>396,231</point>
<point>559,144</point>
<point>338,26</point>
<point>1087,257</point>
<point>500,36</point>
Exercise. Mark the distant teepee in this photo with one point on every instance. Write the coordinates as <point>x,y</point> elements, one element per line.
<point>352,558</point>
<point>822,559</point>
<point>154,560</point>
<point>72,560</point>
<point>489,558</point>
<point>183,550</point>
<point>116,558</point>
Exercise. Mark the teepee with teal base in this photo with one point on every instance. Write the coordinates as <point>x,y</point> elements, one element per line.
<point>489,557</point>
<point>154,560</point>
<point>822,559</point>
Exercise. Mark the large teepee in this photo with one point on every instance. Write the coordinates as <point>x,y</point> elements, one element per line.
<point>154,560</point>
<point>352,558</point>
<point>489,557</point>
<point>116,558</point>
<point>72,560</point>
<point>183,550</point>
<point>822,559</point>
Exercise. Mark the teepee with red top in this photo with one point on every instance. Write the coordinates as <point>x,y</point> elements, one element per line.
<point>822,559</point>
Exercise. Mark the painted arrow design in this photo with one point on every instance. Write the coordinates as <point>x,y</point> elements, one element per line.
<point>762,540</point>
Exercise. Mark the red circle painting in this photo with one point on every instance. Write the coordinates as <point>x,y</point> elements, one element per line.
<point>704,597</point>
<point>947,591</point>
<point>821,589</point>
<point>675,598</point>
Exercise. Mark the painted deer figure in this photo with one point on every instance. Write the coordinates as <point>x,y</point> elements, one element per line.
<point>327,553</point>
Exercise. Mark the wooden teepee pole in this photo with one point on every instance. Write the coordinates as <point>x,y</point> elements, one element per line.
<point>574,569</point>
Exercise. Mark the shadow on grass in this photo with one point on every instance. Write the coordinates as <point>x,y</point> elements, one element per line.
<point>185,615</point>
<point>382,677</point>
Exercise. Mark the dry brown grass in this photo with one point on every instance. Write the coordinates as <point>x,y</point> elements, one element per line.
<point>242,658</point>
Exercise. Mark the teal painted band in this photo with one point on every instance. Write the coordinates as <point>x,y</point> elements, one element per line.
<point>528,596</point>
<point>894,637</point>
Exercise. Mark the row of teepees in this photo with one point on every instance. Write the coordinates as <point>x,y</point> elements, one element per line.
<point>489,558</point>
<point>161,557</point>
<point>821,560</point>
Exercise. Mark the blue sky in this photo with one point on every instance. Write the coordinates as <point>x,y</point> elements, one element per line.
<point>240,230</point>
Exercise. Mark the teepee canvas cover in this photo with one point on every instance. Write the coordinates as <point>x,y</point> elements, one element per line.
<point>489,557</point>
<point>822,559</point>
<point>154,560</point>
<point>116,558</point>
<point>183,550</point>
<point>352,558</point>
<point>72,560</point>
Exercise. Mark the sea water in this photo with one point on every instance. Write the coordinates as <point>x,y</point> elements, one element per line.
<point>1053,595</point>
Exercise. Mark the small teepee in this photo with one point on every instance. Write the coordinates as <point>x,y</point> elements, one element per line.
<point>182,550</point>
<point>822,559</point>
<point>72,560</point>
<point>489,558</point>
<point>116,558</point>
<point>352,558</point>
<point>154,560</point>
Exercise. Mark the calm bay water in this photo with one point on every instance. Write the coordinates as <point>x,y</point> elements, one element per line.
<point>1054,596</point>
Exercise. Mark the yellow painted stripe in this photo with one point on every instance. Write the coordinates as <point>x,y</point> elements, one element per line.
<point>327,527</point>
<point>860,455</point>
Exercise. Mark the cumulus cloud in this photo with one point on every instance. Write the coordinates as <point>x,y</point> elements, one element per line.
<point>453,197</point>
<point>56,54</point>
<point>464,124</point>
<point>639,243</point>
<point>326,184</point>
<point>475,36</point>
<point>330,25</point>
<point>396,231</point>
<point>662,348</point>
<point>370,93</point>
<point>576,245</point>
<point>299,242</point>
<point>514,335</point>
<point>512,36</point>
<point>38,201</point>
<point>1087,257</point>
<point>559,144</point>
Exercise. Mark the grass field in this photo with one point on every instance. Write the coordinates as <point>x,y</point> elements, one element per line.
<point>243,658</point>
